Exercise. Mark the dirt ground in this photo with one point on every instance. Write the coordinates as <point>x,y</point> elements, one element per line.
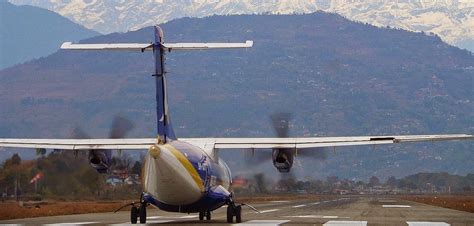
<point>463,203</point>
<point>13,210</point>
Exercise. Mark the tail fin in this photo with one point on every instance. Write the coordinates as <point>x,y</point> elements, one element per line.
<point>164,127</point>
<point>159,48</point>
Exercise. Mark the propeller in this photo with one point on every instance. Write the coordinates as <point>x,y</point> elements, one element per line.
<point>101,159</point>
<point>119,129</point>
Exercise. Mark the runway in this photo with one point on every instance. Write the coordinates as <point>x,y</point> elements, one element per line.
<point>339,211</point>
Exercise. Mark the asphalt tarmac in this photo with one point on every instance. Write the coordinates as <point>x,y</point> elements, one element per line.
<point>340,211</point>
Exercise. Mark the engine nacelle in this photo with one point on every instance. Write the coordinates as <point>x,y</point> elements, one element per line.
<point>100,160</point>
<point>282,159</point>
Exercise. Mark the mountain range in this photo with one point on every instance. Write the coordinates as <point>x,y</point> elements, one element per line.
<point>452,20</point>
<point>336,77</point>
<point>29,32</point>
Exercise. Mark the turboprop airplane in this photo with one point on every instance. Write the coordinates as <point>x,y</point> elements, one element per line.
<point>186,175</point>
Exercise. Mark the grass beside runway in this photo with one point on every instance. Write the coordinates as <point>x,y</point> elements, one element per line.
<point>457,202</point>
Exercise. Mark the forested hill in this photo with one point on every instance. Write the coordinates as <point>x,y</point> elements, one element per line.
<point>335,76</point>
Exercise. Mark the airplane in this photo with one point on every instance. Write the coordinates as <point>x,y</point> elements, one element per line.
<point>186,175</point>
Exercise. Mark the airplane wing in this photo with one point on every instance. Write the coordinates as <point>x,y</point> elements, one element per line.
<point>314,142</point>
<point>210,144</point>
<point>80,144</point>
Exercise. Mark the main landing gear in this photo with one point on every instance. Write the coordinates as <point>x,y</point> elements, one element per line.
<point>138,213</point>
<point>206,214</point>
<point>234,210</point>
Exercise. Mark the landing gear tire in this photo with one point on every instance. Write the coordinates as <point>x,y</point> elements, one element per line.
<point>230,213</point>
<point>208,215</point>
<point>238,214</point>
<point>133,215</point>
<point>233,210</point>
<point>201,216</point>
<point>142,213</point>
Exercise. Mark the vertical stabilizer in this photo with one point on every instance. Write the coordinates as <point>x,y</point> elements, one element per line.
<point>164,128</point>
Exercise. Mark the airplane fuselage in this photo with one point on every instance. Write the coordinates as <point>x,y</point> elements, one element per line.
<point>179,177</point>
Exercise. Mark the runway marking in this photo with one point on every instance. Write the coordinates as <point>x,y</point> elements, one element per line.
<point>154,217</point>
<point>168,217</point>
<point>156,221</point>
<point>73,223</point>
<point>190,216</point>
<point>282,201</point>
<point>396,206</point>
<point>298,206</point>
<point>317,216</point>
<point>315,203</point>
<point>426,223</point>
<point>268,211</point>
<point>345,223</point>
<point>265,222</point>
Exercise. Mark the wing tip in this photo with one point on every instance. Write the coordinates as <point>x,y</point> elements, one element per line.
<point>66,45</point>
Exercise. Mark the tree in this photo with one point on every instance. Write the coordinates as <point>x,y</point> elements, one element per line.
<point>137,168</point>
<point>260,181</point>
<point>16,160</point>
<point>391,182</point>
<point>374,181</point>
<point>41,151</point>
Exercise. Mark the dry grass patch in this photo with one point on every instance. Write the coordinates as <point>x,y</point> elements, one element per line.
<point>463,203</point>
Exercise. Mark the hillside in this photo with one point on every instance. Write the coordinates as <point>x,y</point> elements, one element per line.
<point>336,77</point>
<point>29,32</point>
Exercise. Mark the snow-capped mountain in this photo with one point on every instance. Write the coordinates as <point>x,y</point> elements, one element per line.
<point>452,20</point>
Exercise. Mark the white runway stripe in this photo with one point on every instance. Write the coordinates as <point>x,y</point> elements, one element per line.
<point>317,216</point>
<point>315,203</point>
<point>154,217</point>
<point>345,223</point>
<point>298,206</point>
<point>426,223</point>
<point>268,211</point>
<point>265,222</point>
<point>190,216</point>
<point>282,201</point>
<point>396,206</point>
<point>73,223</point>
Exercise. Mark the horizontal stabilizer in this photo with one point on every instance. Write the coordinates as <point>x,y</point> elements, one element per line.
<point>108,46</point>
<point>149,46</point>
<point>210,45</point>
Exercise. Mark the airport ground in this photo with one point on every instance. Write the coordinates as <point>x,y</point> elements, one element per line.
<point>342,210</point>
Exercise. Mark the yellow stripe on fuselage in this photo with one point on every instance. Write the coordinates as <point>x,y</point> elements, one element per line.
<point>187,165</point>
